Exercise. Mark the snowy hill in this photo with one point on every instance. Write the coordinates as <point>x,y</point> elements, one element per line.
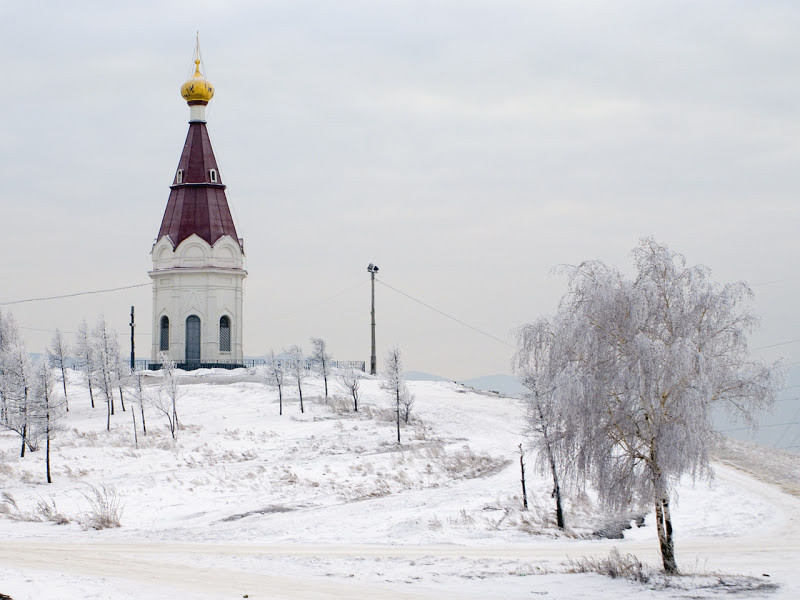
<point>325,502</point>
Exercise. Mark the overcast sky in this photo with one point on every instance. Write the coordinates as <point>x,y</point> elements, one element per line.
<point>466,148</point>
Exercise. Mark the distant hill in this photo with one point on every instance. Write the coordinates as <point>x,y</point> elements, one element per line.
<point>421,376</point>
<point>505,384</point>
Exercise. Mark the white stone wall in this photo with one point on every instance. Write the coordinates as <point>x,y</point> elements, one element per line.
<point>198,279</point>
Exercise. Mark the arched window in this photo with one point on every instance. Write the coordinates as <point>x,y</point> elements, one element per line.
<point>224,334</point>
<point>164,338</point>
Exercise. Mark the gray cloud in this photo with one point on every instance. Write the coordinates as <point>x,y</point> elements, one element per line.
<point>465,147</point>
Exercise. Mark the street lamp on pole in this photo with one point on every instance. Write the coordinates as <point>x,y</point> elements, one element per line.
<point>373,362</point>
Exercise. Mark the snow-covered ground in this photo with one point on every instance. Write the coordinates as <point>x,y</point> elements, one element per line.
<point>326,504</point>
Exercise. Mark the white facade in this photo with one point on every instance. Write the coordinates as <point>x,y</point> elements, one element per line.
<point>198,281</point>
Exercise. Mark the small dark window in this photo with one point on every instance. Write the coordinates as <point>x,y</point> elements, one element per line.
<point>224,334</point>
<point>164,338</point>
<point>213,174</point>
<point>179,176</point>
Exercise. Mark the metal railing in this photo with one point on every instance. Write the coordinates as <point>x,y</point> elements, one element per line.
<point>143,364</point>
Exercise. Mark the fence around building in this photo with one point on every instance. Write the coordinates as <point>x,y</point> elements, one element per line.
<point>143,364</point>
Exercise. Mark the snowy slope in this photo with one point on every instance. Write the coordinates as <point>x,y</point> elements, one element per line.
<point>326,504</point>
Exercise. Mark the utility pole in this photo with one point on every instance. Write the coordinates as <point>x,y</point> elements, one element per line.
<point>133,352</point>
<point>373,363</point>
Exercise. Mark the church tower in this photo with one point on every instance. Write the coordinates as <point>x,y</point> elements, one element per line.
<point>198,259</point>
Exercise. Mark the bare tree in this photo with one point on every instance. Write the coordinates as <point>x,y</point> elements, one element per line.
<point>322,360</point>
<point>407,400</point>
<point>47,409</point>
<point>57,353</point>
<point>17,384</point>
<point>106,359</point>
<point>393,381</point>
<point>84,350</point>
<point>537,362</point>
<point>139,399</point>
<point>649,359</point>
<point>275,374</point>
<point>166,401</point>
<point>522,477</point>
<point>5,339</point>
<point>297,368</point>
<point>121,372</point>
<point>350,379</point>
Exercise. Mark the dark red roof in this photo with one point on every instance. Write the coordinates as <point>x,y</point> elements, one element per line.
<point>196,204</point>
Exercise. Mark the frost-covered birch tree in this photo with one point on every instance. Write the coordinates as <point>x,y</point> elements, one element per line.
<point>84,351</point>
<point>297,368</point>
<point>649,359</point>
<point>140,397</point>
<point>166,401</point>
<point>57,353</point>
<point>393,381</point>
<point>106,358</point>
<point>322,360</point>
<point>350,379</point>
<point>4,340</point>
<point>275,374</point>
<point>47,409</point>
<point>17,384</point>
<point>537,362</point>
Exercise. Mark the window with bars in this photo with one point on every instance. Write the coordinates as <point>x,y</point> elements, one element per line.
<point>164,337</point>
<point>224,334</point>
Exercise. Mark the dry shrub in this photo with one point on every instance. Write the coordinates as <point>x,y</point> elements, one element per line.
<point>49,512</point>
<point>463,519</point>
<point>615,565</point>
<point>105,508</point>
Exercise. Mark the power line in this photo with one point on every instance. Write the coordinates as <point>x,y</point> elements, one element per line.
<point>322,300</point>
<point>489,335</point>
<point>788,399</point>
<point>761,427</point>
<point>788,426</point>
<point>778,344</point>
<point>126,287</point>
<point>74,332</point>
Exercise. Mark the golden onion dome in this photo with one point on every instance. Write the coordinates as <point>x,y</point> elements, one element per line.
<point>198,89</point>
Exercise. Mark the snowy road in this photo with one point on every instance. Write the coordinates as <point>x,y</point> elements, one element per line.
<point>157,569</point>
<point>271,571</point>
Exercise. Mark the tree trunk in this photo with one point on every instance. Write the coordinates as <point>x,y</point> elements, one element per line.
<point>144,425</point>
<point>325,377</point>
<point>135,434</point>
<point>522,471</point>
<point>556,489</point>
<point>664,528</point>
<point>24,435</point>
<point>109,412</point>
<point>280,401</point>
<point>554,471</point>
<point>398,415</point>
<point>121,399</point>
<point>47,459</point>
<point>64,381</point>
<point>300,389</point>
<point>91,394</point>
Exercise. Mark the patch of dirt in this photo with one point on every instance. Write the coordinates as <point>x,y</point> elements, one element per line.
<point>267,510</point>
